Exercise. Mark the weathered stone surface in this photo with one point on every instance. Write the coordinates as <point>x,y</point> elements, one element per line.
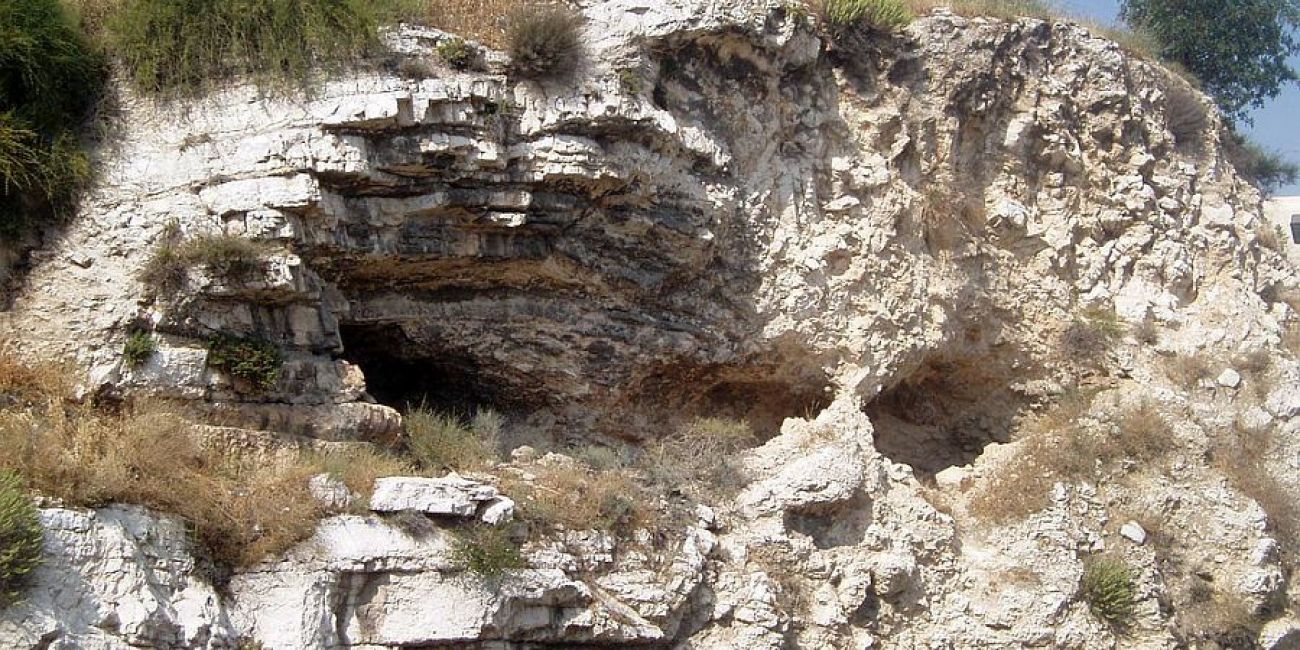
<point>871,249</point>
<point>450,495</point>
<point>114,578</point>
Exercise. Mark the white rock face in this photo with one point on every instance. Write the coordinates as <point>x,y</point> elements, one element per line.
<point>875,250</point>
<point>452,495</point>
<point>1133,532</point>
<point>114,578</point>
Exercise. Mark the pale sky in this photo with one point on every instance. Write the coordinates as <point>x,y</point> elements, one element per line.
<point>1277,125</point>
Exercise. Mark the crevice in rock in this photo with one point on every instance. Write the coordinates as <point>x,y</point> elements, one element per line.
<point>762,396</point>
<point>945,412</point>
<point>844,524</point>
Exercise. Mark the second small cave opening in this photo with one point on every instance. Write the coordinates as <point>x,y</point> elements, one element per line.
<point>945,412</point>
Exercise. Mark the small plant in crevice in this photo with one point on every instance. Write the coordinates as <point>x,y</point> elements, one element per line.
<point>138,348</point>
<point>252,360</point>
<point>487,551</point>
<point>544,42</point>
<point>1108,588</point>
<point>456,53</point>
<point>20,538</point>
<point>228,257</point>
<point>631,80</point>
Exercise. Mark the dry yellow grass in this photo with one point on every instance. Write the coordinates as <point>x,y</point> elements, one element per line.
<point>700,456</point>
<point>1060,446</point>
<point>241,508</point>
<point>486,21</point>
<point>579,498</point>
<point>1241,453</point>
<point>1291,339</point>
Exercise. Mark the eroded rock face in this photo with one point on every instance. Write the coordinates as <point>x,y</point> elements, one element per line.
<point>873,248</point>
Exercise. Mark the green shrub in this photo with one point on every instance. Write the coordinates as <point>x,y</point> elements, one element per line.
<point>545,42</point>
<point>50,79</point>
<point>878,14</point>
<point>139,347</point>
<point>20,537</point>
<point>456,53</point>
<point>486,551</point>
<point>184,46</point>
<point>1108,589</point>
<point>255,361</point>
<point>441,441</point>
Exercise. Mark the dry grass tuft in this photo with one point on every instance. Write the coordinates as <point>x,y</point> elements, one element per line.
<point>1241,453</point>
<point>1060,445</point>
<point>579,498</point>
<point>1089,338</point>
<point>1189,370</point>
<point>1291,339</point>
<point>486,21</point>
<point>359,466</point>
<point>443,441</point>
<point>1142,433</point>
<point>702,454</point>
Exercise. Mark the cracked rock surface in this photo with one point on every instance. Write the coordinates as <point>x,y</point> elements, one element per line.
<point>870,248</point>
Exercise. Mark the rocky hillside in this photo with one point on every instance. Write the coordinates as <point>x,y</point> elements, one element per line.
<point>996,306</point>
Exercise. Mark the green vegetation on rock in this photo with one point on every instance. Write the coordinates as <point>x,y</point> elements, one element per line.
<point>1108,589</point>
<point>879,14</point>
<point>253,360</point>
<point>184,46</point>
<point>20,537</point>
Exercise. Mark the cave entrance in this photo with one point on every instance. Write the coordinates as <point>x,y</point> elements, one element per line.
<point>945,413</point>
<point>402,374</point>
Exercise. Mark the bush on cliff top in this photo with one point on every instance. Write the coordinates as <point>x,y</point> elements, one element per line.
<point>183,46</point>
<point>544,43</point>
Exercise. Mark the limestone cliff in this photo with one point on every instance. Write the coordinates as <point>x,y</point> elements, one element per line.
<point>871,248</point>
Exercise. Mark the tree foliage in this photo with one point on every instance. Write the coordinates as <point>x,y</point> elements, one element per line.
<point>1237,48</point>
<point>50,78</point>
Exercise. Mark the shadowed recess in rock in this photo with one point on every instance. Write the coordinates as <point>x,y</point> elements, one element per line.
<point>447,381</point>
<point>943,414</point>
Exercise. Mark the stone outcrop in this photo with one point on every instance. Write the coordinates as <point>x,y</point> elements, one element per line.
<point>877,249</point>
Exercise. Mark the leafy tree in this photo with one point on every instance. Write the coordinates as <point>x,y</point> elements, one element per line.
<point>1237,48</point>
<point>50,79</point>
